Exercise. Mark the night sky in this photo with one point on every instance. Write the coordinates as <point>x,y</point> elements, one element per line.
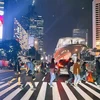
<point>61,17</point>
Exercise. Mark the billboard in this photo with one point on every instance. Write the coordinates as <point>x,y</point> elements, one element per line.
<point>1,26</point>
<point>1,18</point>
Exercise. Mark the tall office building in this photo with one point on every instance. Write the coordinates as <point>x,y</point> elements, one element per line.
<point>96,23</point>
<point>20,35</point>
<point>33,24</point>
<point>81,33</point>
<point>36,30</point>
<point>9,13</point>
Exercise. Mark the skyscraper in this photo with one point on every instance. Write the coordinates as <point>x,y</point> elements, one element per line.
<point>96,23</point>
<point>20,35</point>
<point>81,33</point>
<point>33,24</point>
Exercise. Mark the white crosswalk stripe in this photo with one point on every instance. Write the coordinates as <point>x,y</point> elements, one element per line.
<point>55,91</point>
<point>29,93</point>
<point>83,94</point>
<point>3,71</point>
<point>93,85</point>
<point>8,89</point>
<point>42,93</point>
<point>13,94</point>
<point>91,90</point>
<point>69,93</point>
<point>6,78</point>
<point>1,83</point>
<point>56,94</point>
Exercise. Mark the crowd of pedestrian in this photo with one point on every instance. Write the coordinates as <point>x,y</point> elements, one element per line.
<point>79,72</point>
<point>25,72</point>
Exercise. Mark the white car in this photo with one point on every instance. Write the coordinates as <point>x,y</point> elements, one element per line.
<point>63,71</point>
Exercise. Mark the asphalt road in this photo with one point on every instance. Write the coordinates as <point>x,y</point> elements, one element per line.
<point>59,91</point>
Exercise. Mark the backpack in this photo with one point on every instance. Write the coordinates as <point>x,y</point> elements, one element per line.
<point>31,68</point>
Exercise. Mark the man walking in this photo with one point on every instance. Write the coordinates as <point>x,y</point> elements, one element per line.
<point>29,77</point>
<point>70,64</point>
<point>98,72</point>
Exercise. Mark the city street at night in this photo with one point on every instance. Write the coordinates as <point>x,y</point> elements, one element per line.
<point>49,49</point>
<point>59,91</point>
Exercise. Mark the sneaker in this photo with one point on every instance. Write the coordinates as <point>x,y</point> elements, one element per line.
<point>95,83</point>
<point>51,86</point>
<point>86,82</point>
<point>9,83</point>
<point>21,87</point>
<point>19,83</point>
<point>48,83</point>
<point>33,89</point>
<point>75,85</point>
<point>72,84</point>
<point>34,79</point>
<point>79,82</point>
<point>66,82</point>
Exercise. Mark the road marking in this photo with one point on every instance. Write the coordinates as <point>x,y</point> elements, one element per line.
<point>42,92</point>
<point>90,90</point>
<point>13,94</point>
<point>8,89</point>
<point>3,71</point>
<point>6,78</point>
<point>55,91</point>
<point>69,93</point>
<point>93,85</point>
<point>1,86</point>
<point>1,82</point>
<point>29,93</point>
<point>43,78</point>
<point>83,94</point>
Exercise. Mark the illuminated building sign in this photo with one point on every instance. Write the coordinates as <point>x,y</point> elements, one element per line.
<point>1,26</point>
<point>1,18</point>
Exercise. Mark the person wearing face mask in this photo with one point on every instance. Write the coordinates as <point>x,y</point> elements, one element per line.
<point>76,72</point>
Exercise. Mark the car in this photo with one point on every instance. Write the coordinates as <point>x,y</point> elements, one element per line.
<point>62,65</point>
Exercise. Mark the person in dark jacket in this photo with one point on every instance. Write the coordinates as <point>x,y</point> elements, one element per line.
<point>17,72</point>
<point>71,77</point>
<point>52,74</point>
<point>98,72</point>
<point>83,71</point>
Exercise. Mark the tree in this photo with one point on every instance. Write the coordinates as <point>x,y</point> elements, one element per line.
<point>33,53</point>
<point>11,48</point>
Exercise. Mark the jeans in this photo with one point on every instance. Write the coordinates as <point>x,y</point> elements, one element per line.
<point>52,77</point>
<point>98,79</point>
<point>71,77</point>
<point>76,79</point>
<point>83,77</point>
<point>28,79</point>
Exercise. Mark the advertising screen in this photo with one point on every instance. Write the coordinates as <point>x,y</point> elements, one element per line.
<point>1,26</point>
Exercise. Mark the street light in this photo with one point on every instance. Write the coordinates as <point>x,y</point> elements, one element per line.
<point>76,50</point>
<point>36,42</point>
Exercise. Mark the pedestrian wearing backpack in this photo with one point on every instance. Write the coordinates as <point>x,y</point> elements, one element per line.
<point>29,75</point>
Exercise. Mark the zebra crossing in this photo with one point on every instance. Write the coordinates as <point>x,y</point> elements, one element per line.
<point>86,91</point>
<point>3,71</point>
